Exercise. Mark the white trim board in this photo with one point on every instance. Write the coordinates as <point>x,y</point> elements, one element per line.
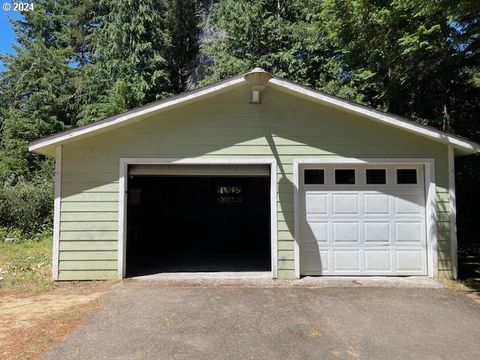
<point>123,186</point>
<point>57,212</point>
<point>46,145</point>
<point>453,211</point>
<point>430,194</point>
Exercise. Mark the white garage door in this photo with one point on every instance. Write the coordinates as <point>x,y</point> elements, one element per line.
<point>362,220</point>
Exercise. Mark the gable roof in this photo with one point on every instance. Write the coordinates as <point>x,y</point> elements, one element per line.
<point>47,144</point>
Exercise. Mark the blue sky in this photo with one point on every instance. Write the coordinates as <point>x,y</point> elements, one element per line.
<point>7,36</point>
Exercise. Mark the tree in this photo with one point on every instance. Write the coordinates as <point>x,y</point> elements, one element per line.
<point>35,91</point>
<point>285,38</point>
<point>411,56</point>
<point>183,26</point>
<point>128,66</point>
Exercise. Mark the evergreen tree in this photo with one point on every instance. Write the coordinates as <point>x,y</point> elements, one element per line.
<point>286,38</point>
<point>129,66</point>
<point>410,57</point>
<point>183,27</point>
<point>35,91</point>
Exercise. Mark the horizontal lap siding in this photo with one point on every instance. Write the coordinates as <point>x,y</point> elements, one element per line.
<point>226,126</point>
<point>89,220</point>
<point>443,231</point>
<point>86,274</point>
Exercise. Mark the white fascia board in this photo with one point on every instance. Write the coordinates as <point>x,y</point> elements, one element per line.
<point>57,212</point>
<point>122,119</point>
<point>466,146</point>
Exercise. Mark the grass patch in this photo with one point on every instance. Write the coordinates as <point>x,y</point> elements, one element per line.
<point>26,265</point>
<point>457,285</point>
<point>469,287</point>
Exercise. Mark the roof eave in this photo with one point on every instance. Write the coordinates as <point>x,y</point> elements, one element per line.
<point>464,147</point>
<point>45,145</point>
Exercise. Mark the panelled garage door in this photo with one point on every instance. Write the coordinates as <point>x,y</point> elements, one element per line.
<point>362,220</point>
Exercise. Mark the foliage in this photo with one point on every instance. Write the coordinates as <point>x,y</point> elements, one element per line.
<point>35,100</point>
<point>182,24</point>
<point>132,69</point>
<point>151,44</point>
<point>25,265</point>
<point>27,206</point>
<point>286,38</point>
<point>412,53</point>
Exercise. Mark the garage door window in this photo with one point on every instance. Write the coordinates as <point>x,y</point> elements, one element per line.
<point>314,177</point>
<point>406,176</point>
<point>376,176</point>
<point>345,176</point>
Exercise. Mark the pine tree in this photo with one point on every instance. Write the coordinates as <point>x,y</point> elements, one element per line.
<point>35,91</point>
<point>129,66</point>
<point>183,27</point>
<point>286,38</point>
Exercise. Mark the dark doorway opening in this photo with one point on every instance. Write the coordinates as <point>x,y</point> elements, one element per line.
<point>198,224</point>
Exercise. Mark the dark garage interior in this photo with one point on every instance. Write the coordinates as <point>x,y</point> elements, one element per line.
<point>198,224</point>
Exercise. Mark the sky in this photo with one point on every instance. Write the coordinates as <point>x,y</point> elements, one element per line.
<point>7,36</point>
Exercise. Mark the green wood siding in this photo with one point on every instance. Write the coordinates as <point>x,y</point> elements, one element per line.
<point>283,126</point>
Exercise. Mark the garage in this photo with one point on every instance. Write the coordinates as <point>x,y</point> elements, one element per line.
<point>254,173</point>
<point>367,219</point>
<point>198,218</point>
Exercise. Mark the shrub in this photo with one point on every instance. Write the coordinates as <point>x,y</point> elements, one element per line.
<point>27,206</point>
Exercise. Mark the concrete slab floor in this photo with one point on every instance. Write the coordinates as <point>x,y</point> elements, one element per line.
<point>264,279</point>
<point>206,275</point>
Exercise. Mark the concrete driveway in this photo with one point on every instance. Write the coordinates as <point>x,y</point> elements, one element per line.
<point>154,320</point>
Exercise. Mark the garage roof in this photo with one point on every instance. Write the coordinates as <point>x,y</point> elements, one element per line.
<point>47,144</point>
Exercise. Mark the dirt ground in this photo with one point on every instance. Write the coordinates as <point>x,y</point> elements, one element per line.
<point>31,323</point>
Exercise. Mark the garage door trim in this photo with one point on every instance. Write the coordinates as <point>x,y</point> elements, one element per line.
<point>122,200</point>
<point>430,190</point>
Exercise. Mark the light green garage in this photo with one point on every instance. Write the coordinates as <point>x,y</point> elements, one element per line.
<point>254,173</point>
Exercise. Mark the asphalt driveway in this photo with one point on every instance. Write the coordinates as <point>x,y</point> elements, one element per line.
<point>148,320</point>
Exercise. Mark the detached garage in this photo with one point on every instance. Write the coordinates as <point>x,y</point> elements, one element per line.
<point>254,174</point>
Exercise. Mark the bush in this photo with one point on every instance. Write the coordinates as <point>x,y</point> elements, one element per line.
<point>27,206</point>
